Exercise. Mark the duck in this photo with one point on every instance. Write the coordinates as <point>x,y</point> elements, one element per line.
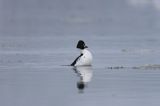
<point>85,58</point>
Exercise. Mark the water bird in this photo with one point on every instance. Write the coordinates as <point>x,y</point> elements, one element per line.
<point>85,57</point>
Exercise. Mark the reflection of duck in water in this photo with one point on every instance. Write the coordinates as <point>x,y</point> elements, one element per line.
<point>85,74</point>
<point>85,57</point>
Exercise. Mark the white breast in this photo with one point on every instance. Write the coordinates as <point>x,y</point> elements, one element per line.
<point>85,59</point>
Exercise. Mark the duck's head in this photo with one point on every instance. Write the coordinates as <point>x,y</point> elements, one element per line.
<point>81,45</point>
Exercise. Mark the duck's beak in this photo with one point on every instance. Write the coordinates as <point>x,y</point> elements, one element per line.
<point>86,47</point>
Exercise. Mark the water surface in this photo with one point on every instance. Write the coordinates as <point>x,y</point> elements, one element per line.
<point>125,72</point>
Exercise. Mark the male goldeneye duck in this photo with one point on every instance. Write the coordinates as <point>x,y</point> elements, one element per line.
<point>85,58</point>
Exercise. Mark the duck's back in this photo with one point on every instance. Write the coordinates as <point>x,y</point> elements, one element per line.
<point>85,59</point>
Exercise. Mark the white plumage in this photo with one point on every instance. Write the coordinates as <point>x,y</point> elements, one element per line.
<point>85,59</point>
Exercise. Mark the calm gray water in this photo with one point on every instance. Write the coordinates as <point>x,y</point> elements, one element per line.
<point>125,72</point>
<point>39,37</point>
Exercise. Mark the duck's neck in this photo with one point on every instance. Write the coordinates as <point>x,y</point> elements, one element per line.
<point>82,51</point>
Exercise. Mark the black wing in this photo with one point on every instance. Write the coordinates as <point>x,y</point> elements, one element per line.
<point>74,62</point>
